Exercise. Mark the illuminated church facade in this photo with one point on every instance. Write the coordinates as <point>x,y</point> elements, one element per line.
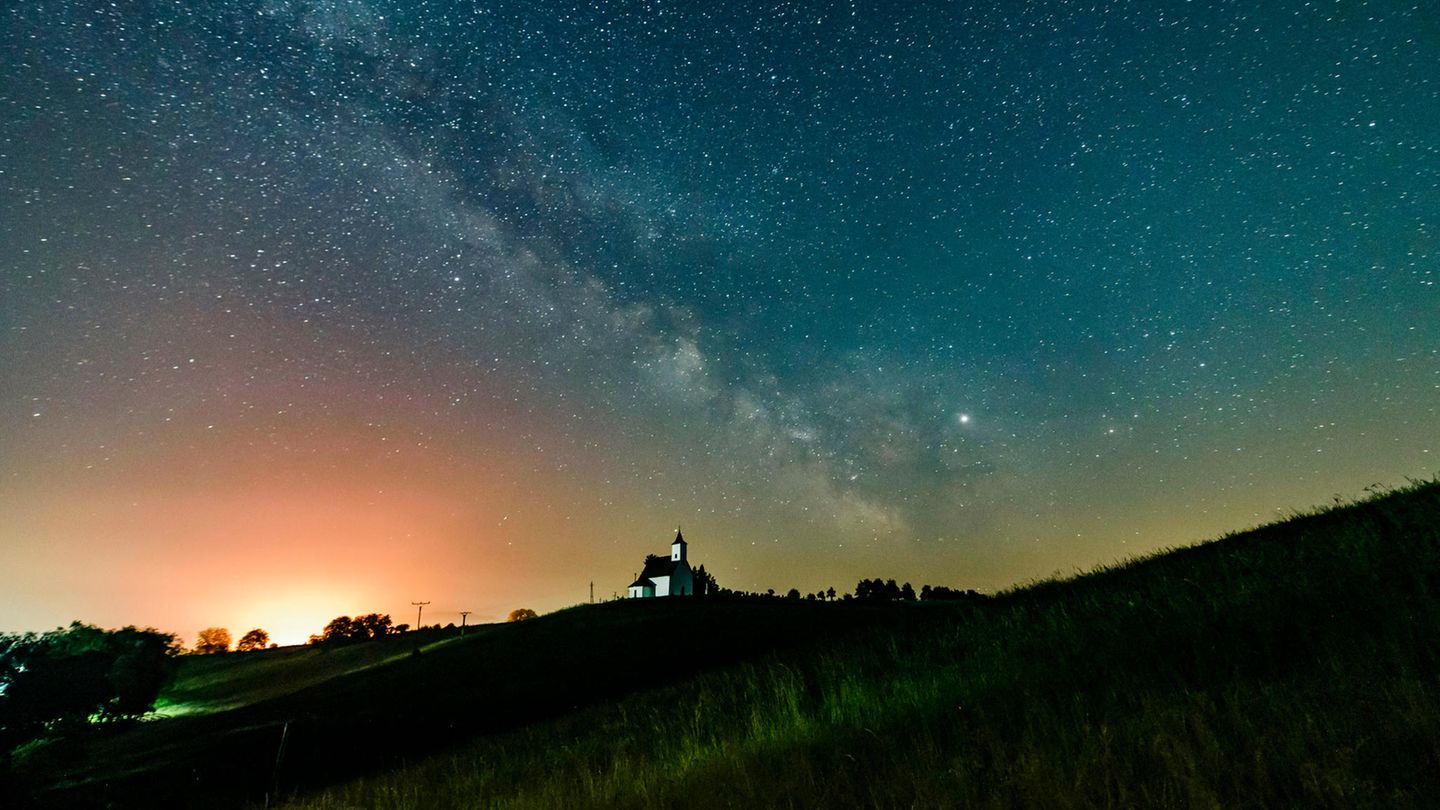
<point>665,577</point>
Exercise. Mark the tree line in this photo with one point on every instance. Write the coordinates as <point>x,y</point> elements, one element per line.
<point>339,631</point>
<point>866,590</point>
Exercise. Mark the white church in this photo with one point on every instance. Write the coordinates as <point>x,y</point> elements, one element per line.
<point>663,577</point>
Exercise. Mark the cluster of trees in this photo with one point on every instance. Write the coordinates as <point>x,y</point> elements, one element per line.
<point>887,591</point>
<point>345,630</point>
<point>942,593</point>
<point>867,590</point>
<point>214,640</point>
<point>705,584</point>
<point>53,682</point>
<point>875,590</point>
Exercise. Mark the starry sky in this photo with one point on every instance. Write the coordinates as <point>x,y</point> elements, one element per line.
<point>311,307</point>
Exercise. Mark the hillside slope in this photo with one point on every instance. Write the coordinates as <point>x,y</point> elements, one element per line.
<point>355,709</point>
<point>1294,665</point>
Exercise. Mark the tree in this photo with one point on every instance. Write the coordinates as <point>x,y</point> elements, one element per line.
<point>371,625</point>
<point>66,678</point>
<point>256,639</point>
<point>143,664</point>
<point>212,640</point>
<point>793,593</point>
<point>907,593</point>
<point>521,614</point>
<point>705,584</point>
<point>830,594</point>
<point>345,630</point>
<point>337,631</point>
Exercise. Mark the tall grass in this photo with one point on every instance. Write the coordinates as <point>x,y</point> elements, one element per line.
<point>1294,665</point>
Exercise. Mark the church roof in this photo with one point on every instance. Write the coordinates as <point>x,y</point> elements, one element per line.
<point>679,538</point>
<point>661,567</point>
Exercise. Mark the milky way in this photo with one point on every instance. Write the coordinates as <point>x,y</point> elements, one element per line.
<point>354,303</point>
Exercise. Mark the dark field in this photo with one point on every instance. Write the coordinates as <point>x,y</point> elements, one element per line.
<point>1294,665</point>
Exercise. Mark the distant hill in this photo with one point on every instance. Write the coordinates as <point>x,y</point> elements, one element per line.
<point>1293,665</point>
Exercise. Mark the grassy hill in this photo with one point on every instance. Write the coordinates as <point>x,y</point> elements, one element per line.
<point>355,709</point>
<point>1293,665</point>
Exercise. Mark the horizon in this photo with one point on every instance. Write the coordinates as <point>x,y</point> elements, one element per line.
<point>295,631</point>
<point>324,310</point>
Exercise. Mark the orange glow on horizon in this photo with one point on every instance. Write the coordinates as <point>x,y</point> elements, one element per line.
<point>292,617</point>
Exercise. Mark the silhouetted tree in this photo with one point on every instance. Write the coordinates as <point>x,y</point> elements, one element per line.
<point>52,682</point>
<point>51,689</point>
<point>705,584</point>
<point>339,630</point>
<point>212,640</point>
<point>864,590</point>
<point>371,625</point>
<point>256,639</point>
<point>830,594</point>
<point>520,615</point>
<point>883,590</point>
<point>143,665</point>
<point>793,593</point>
<point>345,630</point>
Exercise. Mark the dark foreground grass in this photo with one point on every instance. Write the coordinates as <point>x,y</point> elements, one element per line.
<point>1297,665</point>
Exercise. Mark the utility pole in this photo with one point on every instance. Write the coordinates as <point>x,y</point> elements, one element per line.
<point>419,612</point>
<point>463,614</point>
<point>592,591</point>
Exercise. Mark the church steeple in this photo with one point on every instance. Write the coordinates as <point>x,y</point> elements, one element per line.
<point>677,548</point>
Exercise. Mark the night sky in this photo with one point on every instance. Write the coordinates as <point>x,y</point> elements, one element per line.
<point>311,308</point>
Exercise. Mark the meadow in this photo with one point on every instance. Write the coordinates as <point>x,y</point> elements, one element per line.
<point>1294,665</point>
<point>1297,664</point>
